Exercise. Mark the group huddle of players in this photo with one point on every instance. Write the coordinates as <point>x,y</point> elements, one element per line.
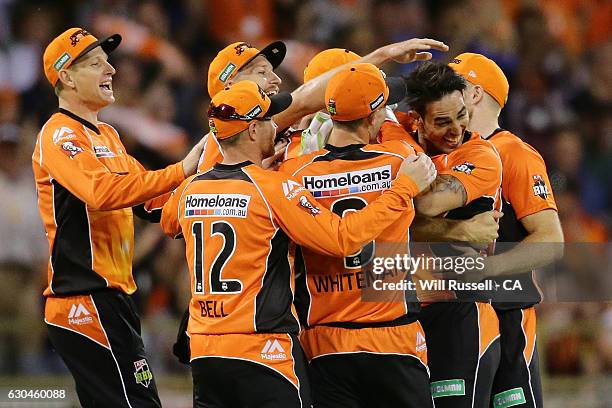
<point>295,198</point>
<point>283,311</point>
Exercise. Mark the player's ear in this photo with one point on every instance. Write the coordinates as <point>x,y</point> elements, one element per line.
<point>478,94</point>
<point>65,76</point>
<point>252,129</point>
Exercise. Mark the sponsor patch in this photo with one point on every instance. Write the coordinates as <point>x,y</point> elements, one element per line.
<point>227,71</point>
<point>103,151</point>
<point>540,188</point>
<point>377,102</point>
<point>509,398</point>
<point>253,113</point>
<point>448,388</point>
<point>61,61</point>
<point>309,207</point>
<point>71,149</point>
<point>142,373</point>
<point>466,168</point>
<point>331,107</point>
<point>211,125</point>
<point>217,205</point>
<point>352,182</point>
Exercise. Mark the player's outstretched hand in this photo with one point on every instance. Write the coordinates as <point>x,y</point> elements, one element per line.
<point>420,169</point>
<point>190,162</point>
<point>415,49</point>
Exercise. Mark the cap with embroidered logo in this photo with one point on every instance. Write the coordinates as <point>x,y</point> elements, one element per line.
<point>358,90</point>
<point>235,56</point>
<point>327,60</point>
<point>480,70</point>
<point>69,46</point>
<point>232,109</point>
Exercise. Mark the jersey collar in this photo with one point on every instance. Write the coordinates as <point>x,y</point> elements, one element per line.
<point>80,119</point>
<point>232,167</point>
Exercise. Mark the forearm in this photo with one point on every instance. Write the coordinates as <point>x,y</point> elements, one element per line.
<point>436,229</point>
<point>535,251</point>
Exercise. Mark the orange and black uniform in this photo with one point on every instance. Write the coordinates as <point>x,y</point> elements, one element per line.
<point>525,190</point>
<point>365,346</point>
<point>87,184</point>
<point>461,327</point>
<point>237,221</point>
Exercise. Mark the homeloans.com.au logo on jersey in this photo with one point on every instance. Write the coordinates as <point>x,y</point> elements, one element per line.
<point>211,205</point>
<point>350,182</point>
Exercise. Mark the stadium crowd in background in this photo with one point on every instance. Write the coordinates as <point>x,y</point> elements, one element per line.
<point>556,55</point>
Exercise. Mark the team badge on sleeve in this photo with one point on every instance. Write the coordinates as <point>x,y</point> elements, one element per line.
<point>466,168</point>
<point>307,206</point>
<point>71,149</point>
<point>142,373</point>
<point>540,188</point>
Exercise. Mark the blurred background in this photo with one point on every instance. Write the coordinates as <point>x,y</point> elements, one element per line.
<point>557,55</point>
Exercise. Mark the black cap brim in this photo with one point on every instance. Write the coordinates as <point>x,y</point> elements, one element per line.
<point>280,102</point>
<point>274,52</point>
<point>108,45</point>
<point>397,90</point>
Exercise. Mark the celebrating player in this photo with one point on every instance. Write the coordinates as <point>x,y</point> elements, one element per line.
<point>87,184</point>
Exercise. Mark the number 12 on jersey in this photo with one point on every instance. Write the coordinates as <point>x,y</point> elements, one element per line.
<point>216,283</point>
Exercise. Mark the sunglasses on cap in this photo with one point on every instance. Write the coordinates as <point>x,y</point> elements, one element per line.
<point>227,112</point>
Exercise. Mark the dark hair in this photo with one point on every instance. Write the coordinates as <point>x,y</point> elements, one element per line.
<point>429,82</point>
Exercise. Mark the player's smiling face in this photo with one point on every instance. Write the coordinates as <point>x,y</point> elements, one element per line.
<point>444,124</point>
<point>261,72</point>
<point>93,79</point>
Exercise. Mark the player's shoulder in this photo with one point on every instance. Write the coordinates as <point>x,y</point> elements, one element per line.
<point>61,128</point>
<point>292,166</point>
<point>396,148</point>
<point>510,146</point>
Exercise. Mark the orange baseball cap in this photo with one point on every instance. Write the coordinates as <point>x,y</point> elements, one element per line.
<point>357,91</point>
<point>483,71</point>
<point>232,109</point>
<point>232,58</point>
<point>69,46</point>
<point>327,60</point>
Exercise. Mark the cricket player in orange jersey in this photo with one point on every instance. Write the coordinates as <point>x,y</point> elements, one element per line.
<point>237,220</point>
<point>364,344</point>
<point>87,185</point>
<point>530,217</point>
<point>461,327</point>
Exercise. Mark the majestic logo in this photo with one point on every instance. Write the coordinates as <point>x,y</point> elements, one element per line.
<point>227,71</point>
<point>291,189</point>
<point>466,168</point>
<point>273,351</point>
<point>309,207</point>
<point>142,373</point>
<point>331,107</point>
<point>377,102</point>
<point>74,317</point>
<point>420,342</point>
<point>76,37</point>
<point>63,133</point>
<point>540,188</point>
<point>339,184</point>
<point>215,205</point>
<point>61,61</point>
<point>472,74</point>
<point>103,151</point>
<point>242,47</point>
<point>71,149</point>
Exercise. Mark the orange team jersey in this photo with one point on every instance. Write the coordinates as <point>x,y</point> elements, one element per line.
<point>477,166</point>
<point>394,131</point>
<point>294,146</point>
<point>340,289</point>
<point>86,183</point>
<point>237,221</point>
<point>526,190</point>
